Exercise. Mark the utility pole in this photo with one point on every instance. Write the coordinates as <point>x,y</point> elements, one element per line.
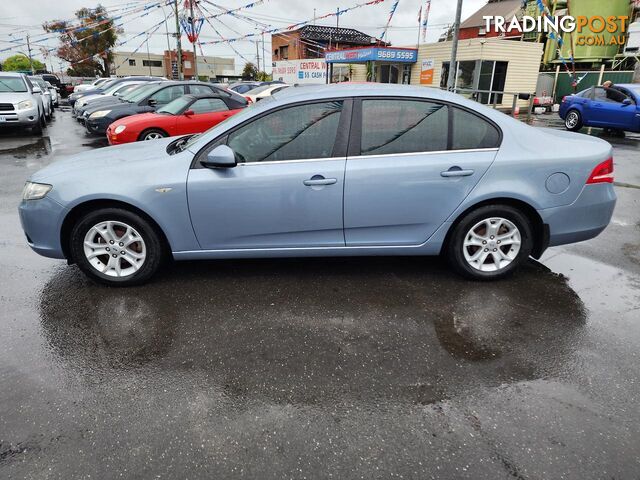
<point>264,58</point>
<point>30,58</point>
<point>193,32</point>
<point>148,55</point>
<point>453,66</point>
<point>258,56</point>
<point>178,43</point>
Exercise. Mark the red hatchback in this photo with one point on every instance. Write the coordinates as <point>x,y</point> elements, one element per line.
<point>185,115</point>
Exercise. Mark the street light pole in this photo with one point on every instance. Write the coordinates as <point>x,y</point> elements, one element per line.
<point>453,67</point>
<point>148,55</point>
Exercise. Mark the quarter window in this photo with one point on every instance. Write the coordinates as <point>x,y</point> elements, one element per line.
<point>472,132</point>
<point>294,133</point>
<point>403,126</point>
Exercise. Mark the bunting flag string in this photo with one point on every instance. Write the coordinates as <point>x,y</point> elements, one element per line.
<point>425,20</point>
<point>386,27</point>
<point>233,10</point>
<point>220,35</point>
<point>293,26</point>
<point>151,31</point>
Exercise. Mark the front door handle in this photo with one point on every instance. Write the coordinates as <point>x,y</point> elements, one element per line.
<point>319,180</point>
<point>457,172</point>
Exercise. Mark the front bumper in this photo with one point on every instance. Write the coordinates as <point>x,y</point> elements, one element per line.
<point>97,126</point>
<point>584,219</point>
<point>22,118</point>
<point>41,221</point>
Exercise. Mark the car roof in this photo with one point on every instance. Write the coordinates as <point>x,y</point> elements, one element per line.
<point>298,93</point>
<point>12,74</point>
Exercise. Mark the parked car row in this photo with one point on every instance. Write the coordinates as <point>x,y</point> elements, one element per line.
<point>26,101</point>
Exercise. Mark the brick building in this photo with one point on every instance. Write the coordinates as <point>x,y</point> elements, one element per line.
<point>475,25</point>
<point>311,41</point>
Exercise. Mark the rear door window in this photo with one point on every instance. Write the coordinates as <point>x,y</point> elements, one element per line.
<point>392,126</point>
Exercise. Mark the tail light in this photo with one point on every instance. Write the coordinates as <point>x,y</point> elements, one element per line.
<point>249,101</point>
<point>603,173</point>
<point>564,99</point>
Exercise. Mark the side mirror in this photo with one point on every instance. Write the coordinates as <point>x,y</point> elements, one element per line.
<point>36,89</point>
<point>152,103</point>
<point>220,157</point>
<point>188,113</point>
<point>626,102</point>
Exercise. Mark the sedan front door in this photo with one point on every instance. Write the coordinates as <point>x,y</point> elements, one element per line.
<point>408,171</point>
<point>287,189</point>
<point>207,112</point>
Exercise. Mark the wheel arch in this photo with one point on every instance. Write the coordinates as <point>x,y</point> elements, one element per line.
<point>540,230</point>
<point>78,210</point>
<point>143,132</point>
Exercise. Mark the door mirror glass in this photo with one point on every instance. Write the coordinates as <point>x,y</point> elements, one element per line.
<point>627,101</point>
<point>189,112</point>
<point>220,157</point>
<point>36,89</point>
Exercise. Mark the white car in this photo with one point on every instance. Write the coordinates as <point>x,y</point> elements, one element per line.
<point>55,97</point>
<point>264,91</point>
<point>47,101</point>
<point>86,86</point>
<point>115,90</point>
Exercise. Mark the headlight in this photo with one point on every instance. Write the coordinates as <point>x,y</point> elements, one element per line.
<point>35,191</point>
<point>99,113</point>
<point>24,105</point>
<point>119,129</point>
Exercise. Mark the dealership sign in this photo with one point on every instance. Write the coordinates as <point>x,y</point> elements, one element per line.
<point>373,54</point>
<point>300,71</point>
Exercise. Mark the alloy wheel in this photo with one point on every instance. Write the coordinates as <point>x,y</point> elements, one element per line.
<point>492,244</point>
<point>572,120</point>
<point>153,136</point>
<point>115,249</point>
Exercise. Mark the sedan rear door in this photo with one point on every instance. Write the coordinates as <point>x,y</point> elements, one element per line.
<point>411,163</point>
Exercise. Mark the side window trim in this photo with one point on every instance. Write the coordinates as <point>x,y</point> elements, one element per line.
<point>356,128</point>
<point>339,146</point>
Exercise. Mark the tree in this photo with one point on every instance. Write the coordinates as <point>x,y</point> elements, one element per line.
<point>87,43</point>
<point>263,76</point>
<point>250,72</point>
<point>18,63</point>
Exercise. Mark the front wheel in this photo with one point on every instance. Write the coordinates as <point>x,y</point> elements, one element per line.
<point>490,243</point>
<point>153,134</point>
<point>116,247</point>
<point>573,121</point>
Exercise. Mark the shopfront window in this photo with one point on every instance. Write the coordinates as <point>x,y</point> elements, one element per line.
<point>474,75</point>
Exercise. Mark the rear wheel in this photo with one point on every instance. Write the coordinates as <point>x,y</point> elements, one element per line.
<point>152,134</point>
<point>490,243</point>
<point>573,121</point>
<point>116,247</point>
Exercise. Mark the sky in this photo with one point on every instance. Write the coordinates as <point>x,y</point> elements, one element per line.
<point>18,17</point>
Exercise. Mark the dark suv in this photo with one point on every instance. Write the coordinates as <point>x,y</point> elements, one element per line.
<point>149,98</point>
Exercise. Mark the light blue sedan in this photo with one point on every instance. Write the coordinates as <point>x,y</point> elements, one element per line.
<point>337,170</point>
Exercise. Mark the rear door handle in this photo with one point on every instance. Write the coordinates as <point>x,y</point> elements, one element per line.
<point>319,180</point>
<point>457,172</point>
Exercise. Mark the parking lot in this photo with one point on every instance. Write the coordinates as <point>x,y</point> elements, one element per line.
<point>320,368</point>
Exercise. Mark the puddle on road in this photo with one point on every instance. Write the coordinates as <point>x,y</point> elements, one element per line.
<point>38,147</point>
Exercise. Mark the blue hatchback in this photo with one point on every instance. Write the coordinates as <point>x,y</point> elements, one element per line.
<point>594,108</point>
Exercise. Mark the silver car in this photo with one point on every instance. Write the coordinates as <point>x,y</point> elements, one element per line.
<point>47,101</point>
<point>20,102</point>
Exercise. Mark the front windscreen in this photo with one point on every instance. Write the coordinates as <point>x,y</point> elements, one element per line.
<point>12,84</point>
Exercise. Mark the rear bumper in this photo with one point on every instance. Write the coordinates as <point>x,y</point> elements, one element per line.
<point>584,219</point>
<point>41,220</point>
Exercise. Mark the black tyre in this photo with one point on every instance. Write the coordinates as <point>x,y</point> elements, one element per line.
<point>490,243</point>
<point>152,134</point>
<point>37,128</point>
<point>573,121</point>
<point>116,247</point>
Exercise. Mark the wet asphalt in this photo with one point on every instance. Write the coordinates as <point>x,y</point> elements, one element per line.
<point>319,368</point>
